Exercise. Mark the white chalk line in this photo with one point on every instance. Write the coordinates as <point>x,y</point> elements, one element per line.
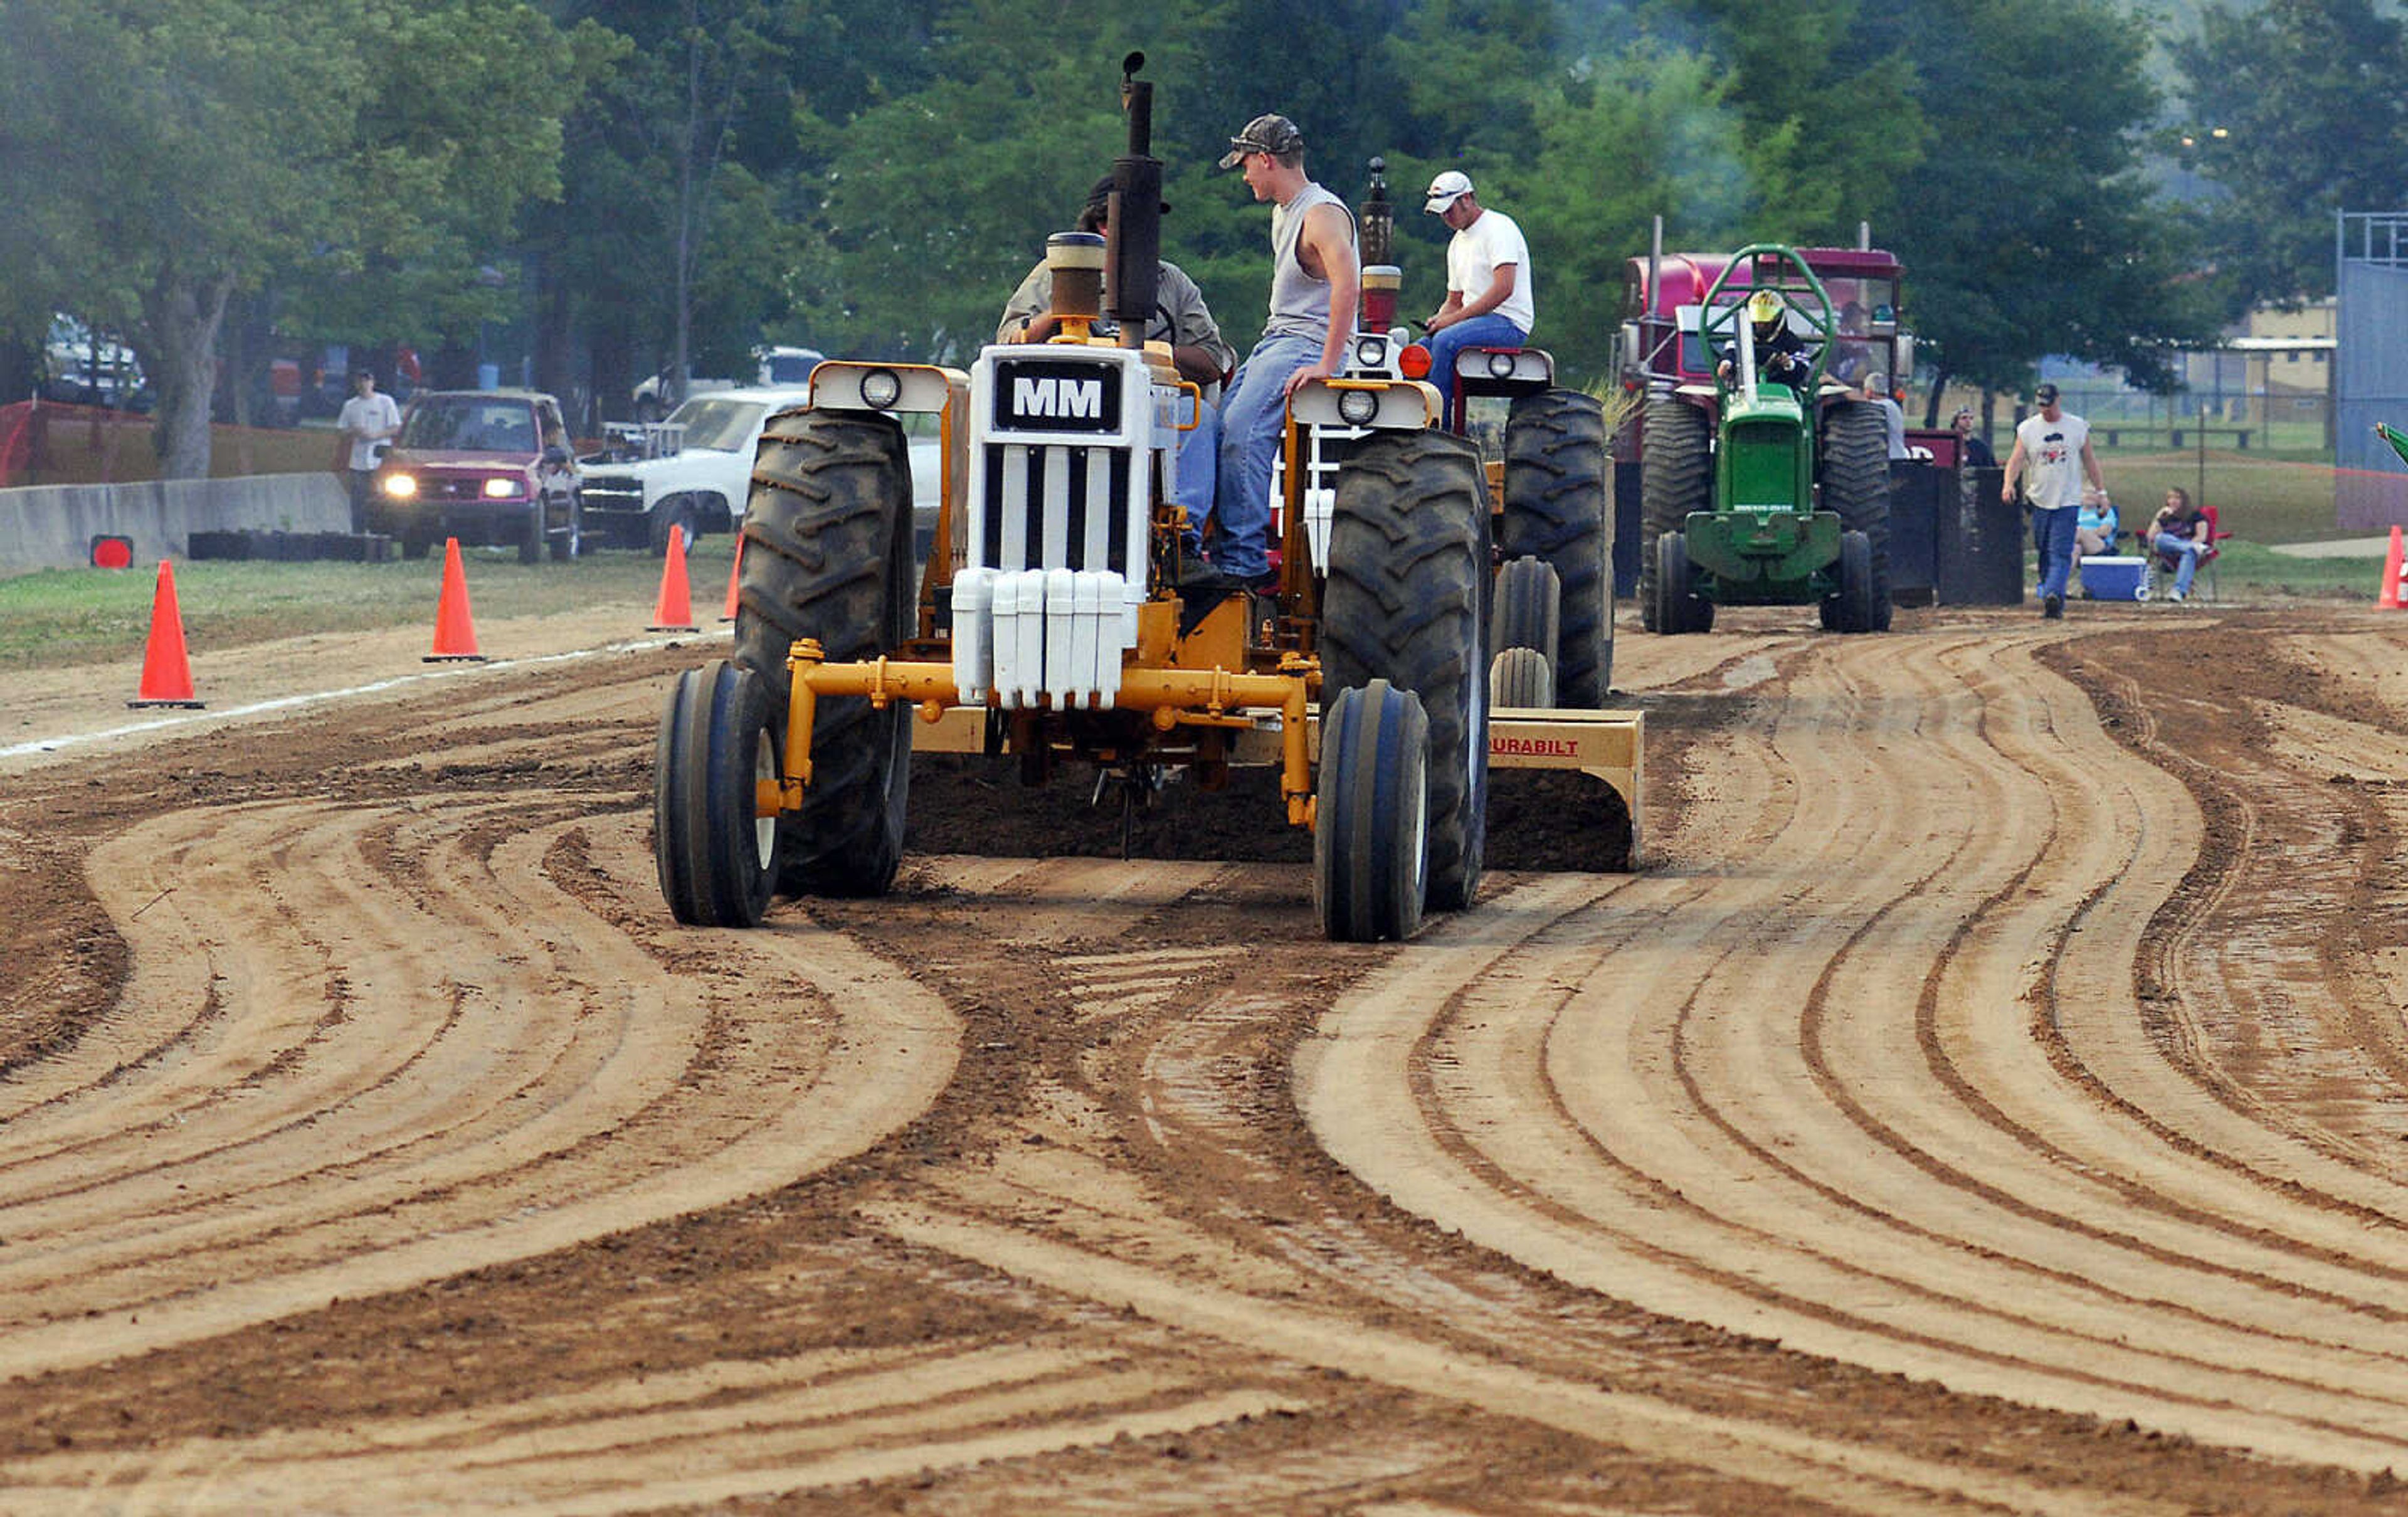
<point>287,703</point>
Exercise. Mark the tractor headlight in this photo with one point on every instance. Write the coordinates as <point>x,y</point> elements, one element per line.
<point>880,388</point>
<point>1500,365</point>
<point>1357,407</point>
<point>1370,353</point>
<point>401,486</point>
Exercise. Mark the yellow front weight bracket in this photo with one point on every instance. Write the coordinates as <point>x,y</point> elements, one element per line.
<point>1202,698</point>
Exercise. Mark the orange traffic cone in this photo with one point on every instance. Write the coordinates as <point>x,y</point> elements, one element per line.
<point>166,669</point>
<point>674,611</point>
<point>455,630</point>
<point>734,573</point>
<point>2388,598</point>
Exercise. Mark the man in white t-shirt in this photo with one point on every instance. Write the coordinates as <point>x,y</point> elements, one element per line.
<point>369,419</point>
<point>2053,457</point>
<point>1489,296</point>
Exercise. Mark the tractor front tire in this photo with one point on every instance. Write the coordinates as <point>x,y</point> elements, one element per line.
<point>828,557</point>
<point>1370,835</point>
<point>716,856</point>
<point>1856,598</point>
<point>1856,485</point>
<point>1679,608</point>
<point>1404,602</point>
<point>1520,677</point>
<point>1559,509</point>
<point>1529,610</point>
<point>1675,477</point>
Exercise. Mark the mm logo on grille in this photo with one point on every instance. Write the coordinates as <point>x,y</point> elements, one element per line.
<point>1056,397</point>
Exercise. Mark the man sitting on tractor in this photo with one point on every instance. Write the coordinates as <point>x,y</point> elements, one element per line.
<point>1489,300</point>
<point>1780,353</point>
<point>1181,319</point>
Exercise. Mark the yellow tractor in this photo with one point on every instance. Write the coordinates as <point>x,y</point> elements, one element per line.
<point>1048,622</point>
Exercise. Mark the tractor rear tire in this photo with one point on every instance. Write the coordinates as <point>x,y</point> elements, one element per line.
<point>1678,610</point>
<point>1404,602</point>
<point>1520,677</point>
<point>1528,611</point>
<point>1675,477</point>
<point>1370,835</point>
<point>1855,484</point>
<point>1559,508</point>
<point>828,557</point>
<point>716,856</point>
<point>1855,597</point>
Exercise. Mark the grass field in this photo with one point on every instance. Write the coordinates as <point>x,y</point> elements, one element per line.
<point>86,616</point>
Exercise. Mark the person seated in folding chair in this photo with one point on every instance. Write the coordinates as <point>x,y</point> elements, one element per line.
<point>2095,530</point>
<point>2178,537</point>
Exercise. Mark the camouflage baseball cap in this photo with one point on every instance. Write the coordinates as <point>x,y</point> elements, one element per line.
<point>1264,134</point>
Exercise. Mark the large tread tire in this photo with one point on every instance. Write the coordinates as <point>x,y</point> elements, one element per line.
<point>1855,458</point>
<point>1520,677</point>
<point>1679,608</point>
<point>828,556</point>
<point>1371,836</point>
<point>1405,602</point>
<point>1855,597</point>
<point>1528,608</point>
<point>1675,477</point>
<point>716,857</point>
<point>1559,509</point>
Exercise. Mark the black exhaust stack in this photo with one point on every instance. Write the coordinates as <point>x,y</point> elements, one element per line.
<point>1133,228</point>
<point>1378,221</point>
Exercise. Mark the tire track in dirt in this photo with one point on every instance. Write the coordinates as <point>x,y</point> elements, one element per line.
<point>1720,1110</point>
<point>316,1086</point>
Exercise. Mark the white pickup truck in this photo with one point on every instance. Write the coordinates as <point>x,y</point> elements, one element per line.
<point>692,473</point>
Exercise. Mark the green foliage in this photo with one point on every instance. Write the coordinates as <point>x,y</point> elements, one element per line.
<point>874,176</point>
<point>2033,229</point>
<point>2306,97</point>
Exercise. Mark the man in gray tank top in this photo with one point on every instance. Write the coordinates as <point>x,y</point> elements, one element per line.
<point>1315,277</point>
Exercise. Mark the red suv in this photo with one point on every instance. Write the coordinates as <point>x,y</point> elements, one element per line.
<point>485,466</point>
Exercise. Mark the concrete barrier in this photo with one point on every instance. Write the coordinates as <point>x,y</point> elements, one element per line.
<point>51,526</point>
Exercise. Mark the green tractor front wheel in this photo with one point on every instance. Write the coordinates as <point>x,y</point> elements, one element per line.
<point>1678,606</point>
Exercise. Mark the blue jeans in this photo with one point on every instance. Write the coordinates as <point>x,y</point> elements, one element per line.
<point>2187,549</point>
<point>1489,331</point>
<point>1254,411</point>
<point>2053,535</point>
<point>1195,461</point>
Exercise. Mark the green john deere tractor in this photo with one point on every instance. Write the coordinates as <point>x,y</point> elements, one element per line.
<point>1772,492</point>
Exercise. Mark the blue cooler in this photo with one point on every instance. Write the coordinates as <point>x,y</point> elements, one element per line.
<point>2114,579</point>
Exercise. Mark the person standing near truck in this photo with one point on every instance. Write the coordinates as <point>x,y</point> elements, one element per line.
<point>370,420</point>
<point>2052,456</point>
<point>1490,301</point>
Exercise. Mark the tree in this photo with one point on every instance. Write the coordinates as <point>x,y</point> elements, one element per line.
<point>2034,230</point>
<point>166,154</point>
<point>2296,113</point>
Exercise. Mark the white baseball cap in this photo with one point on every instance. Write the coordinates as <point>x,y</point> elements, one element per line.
<point>1446,190</point>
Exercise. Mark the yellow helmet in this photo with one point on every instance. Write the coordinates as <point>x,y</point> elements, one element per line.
<point>1764,309</point>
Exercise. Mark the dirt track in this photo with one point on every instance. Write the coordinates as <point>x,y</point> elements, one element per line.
<point>1991,1096</point>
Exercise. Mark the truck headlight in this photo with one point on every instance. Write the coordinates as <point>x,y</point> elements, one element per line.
<point>401,486</point>
<point>500,488</point>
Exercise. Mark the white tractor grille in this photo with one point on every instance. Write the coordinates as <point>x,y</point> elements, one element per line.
<point>1057,507</point>
<point>1060,502</point>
